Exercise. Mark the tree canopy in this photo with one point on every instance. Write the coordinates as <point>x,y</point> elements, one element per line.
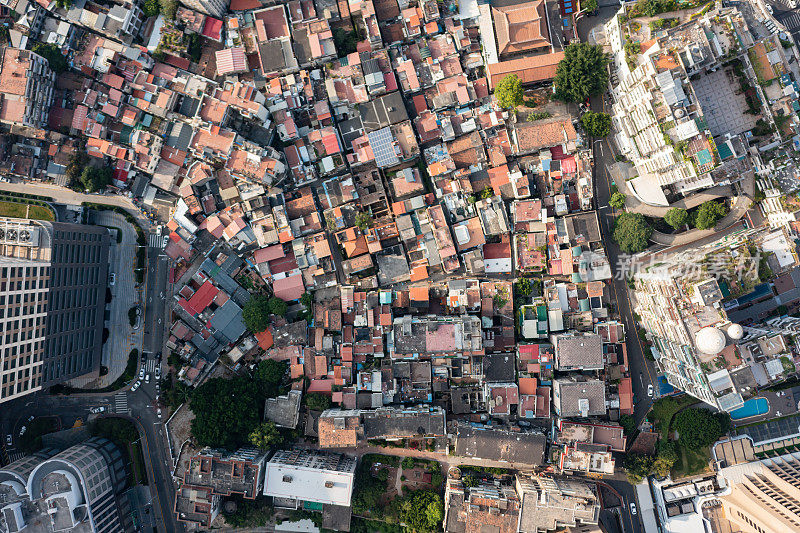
<point>317,402</point>
<point>168,8</point>
<point>709,213</point>
<point>277,306</point>
<point>637,467</point>
<point>226,411</point>
<point>256,313</point>
<point>596,124</point>
<point>269,375</point>
<point>631,232</point>
<point>53,55</point>
<point>363,220</point>
<point>617,200</point>
<point>582,73</point>
<point>589,6</point>
<point>509,92</point>
<point>421,510</point>
<point>265,436</point>
<point>94,179</point>
<point>698,428</point>
<point>151,8</point>
<point>676,217</point>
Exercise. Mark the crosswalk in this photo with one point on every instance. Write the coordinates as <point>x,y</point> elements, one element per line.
<point>121,402</point>
<point>150,366</point>
<point>155,241</point>
<point>15,456</point>
<point>792,22</point>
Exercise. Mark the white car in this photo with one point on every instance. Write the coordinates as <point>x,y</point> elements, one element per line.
<point>136,386</point>
<point>650,391</point>
<point>30,418</point>
<point>113,279</point>
<point>159,413</point>
<point>141,373</point>
<point>22,431</point>
<point>9,440</point>
<point>97,410</point>
<point>147,378</point>
<point>158,372</point>
<point>633,509</point>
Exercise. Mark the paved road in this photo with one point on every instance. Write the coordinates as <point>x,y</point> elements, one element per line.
<point>642,370</point>
<point>65,195</point>
<point>155,302</point>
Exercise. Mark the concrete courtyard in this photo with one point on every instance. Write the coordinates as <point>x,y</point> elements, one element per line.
<point>723,109</point>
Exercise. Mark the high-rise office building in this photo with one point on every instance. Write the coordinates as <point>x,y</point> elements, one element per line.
<point>53,279</point>
<point>73,491</point>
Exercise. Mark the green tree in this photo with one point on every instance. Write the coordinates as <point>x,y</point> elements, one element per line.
<point>637,467</point>
<point>269,376</point>
<point>151,8</point>
<point>666,457</point>
<point>628,424</point>
<point>509,92</point>
<point>64,4</point>
<point>590,6</point>
<point>307,299</point>
<point>676,217</point>
<point>523,286</point>
<point>709,213</point>
<point>95,179</point>
<point>486,192</point>
<point>617,200</point>
<point>363,220</point>
<point>596,124</point>
<point>631,232</point>
<point>226,411</point>
<point>421,510</point>
<point>345,41</point>
<point>256,312</point>
<point>265,436</point>
<point>277,306</point>
<point>168,8</point>
<point>582,73</point>
<point>699,428</point>
<point>53,55</point>
<point>317,402</point>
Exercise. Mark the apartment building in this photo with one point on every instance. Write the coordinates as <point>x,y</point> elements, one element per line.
<point>212,474</point>
<point>53,279</point>
<point>26,88</point>
<point>72,491</point>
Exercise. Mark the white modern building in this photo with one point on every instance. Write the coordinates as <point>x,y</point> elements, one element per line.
<point>294,477</point>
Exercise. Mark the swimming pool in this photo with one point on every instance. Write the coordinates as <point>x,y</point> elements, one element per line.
<point>752,407</point>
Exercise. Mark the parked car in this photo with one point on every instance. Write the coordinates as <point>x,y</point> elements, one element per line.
<point>158,372</point>
<point>650,391</point>
<point>113,279</point>
<point>9,440</point>
<point>633,508</point>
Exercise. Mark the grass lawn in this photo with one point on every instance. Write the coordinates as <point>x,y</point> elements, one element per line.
<point>691,462</point>
<point>20,210</point>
